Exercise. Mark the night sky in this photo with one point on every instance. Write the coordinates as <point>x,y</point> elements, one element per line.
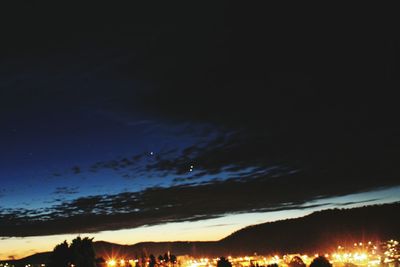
<point>186,122</point>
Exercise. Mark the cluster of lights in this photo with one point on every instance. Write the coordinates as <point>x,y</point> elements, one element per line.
<point>360,254</point>
<point>391,251</point>
<point>26,265</point>
<point>121,262</point>
<point>244,261</point>
<point>202,262</point>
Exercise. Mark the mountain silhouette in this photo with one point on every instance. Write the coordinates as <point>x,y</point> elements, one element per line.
<point>318,232</point>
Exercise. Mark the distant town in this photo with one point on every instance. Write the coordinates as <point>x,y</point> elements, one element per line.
<point>386,253</point>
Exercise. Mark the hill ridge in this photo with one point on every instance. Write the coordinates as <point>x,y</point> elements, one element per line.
<point>321,230</point>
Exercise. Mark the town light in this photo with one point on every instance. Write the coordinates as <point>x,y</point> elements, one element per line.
<point>111,262</point>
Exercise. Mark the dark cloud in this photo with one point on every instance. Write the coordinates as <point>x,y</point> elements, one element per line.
<point>315,97</point>
<point>127,167</point>
<point>64,190</point>
<point>76,170</point>
<point>158,205</point>
<point>356,202</point>
<point>297,99</point>
<point>118,164</point>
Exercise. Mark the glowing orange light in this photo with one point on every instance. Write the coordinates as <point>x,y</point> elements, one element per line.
<point>111,262</point>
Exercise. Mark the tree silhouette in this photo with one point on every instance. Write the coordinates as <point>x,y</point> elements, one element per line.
<point>100,262</point>
<point>297,262</point>
<point>61,256</point>
<point>160,259</point>
<point>172,259</point>
<point>222,262</point>
<point>320,261</point>
<point>152,261</point>
<point>82,252</point>
<point>166,257</point>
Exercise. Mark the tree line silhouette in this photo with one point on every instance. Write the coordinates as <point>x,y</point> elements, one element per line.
<point>80,253</point>
<point>166,260</point>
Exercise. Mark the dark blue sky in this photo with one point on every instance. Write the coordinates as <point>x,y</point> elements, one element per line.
<point>160,116</point>
<point>40,150</point>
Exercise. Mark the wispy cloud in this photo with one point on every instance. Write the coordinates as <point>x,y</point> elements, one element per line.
<point>158,205</point>
<point>64,190</point>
